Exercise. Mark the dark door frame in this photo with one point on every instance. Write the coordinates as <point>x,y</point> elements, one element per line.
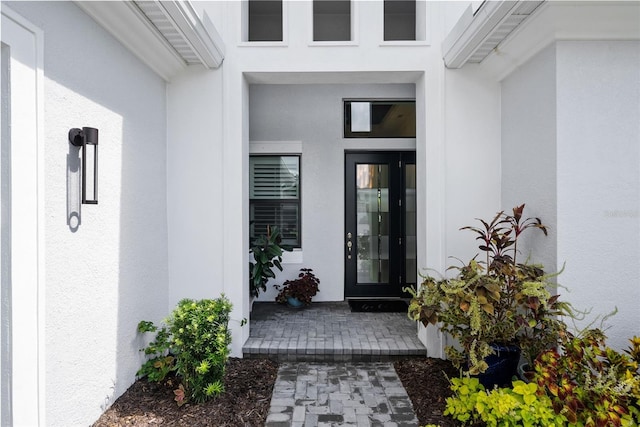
<point>396,161</point>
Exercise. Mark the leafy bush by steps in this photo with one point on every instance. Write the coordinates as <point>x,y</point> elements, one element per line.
<point>195,344</point>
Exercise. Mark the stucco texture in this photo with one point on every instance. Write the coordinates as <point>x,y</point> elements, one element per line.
<point>571,148</point>
<point>598,150</point>
<point>108,271</point>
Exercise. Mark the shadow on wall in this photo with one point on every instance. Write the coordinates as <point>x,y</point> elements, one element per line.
<point>143,252</point>
<point>94,301</point>
<point>73,188</point>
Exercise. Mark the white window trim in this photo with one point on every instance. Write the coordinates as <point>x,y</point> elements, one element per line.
<point>282,147</point>
<point>275,147</point>
<point>244,28</point>
<point>354,29</point>
<point>293,257</point>
<point>408,43</point>
<point>374,144</point>
<point>423,27</point>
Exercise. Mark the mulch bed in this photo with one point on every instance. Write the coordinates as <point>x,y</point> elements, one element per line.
<point>427,384</point>
<point>247,397</point>
<point>248,387</point>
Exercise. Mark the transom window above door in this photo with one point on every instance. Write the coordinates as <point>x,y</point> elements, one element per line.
<point>274,196</point>
<point>379,119</point>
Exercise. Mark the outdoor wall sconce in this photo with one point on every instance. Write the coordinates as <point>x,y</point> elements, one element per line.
<point>87,138</point>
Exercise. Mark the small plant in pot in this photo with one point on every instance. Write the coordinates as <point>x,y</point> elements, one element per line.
<point>298,292</point>
<point>493,307</point>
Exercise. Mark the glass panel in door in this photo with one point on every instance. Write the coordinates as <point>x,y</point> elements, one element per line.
<point>410,255</point>
<point>372,223</point>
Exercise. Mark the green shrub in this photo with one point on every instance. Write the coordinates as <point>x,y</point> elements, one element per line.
<point>161,363</point>
<point>517,406</point>
<point>195,344</point>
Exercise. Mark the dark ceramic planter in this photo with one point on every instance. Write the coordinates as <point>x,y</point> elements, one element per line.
<point>294,302</point>
<point>503,366</point>
<point>525,372</point>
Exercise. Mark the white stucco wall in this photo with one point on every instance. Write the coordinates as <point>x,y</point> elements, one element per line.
<point>462,171</point>
<point>110,272</point>
<point>571,150</point>
<point>529,164</point>
<point>195,182</point>
<point>472,155</point>
<point>598,155</point>
<point>207,256</point>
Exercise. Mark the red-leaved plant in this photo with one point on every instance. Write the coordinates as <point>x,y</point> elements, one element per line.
<point>303,288</point>
<point>589,383</point>
<point>495,300</point>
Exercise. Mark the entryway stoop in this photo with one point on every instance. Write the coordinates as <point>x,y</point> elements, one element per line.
<point>330,332</point>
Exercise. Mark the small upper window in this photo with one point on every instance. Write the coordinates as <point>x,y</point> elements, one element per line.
<point>399,19</point>
<point>265,20</point>
<point>379,119</point>
<point>331,20</point>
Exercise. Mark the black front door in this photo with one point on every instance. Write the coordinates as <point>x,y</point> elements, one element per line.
<point>380,223</point>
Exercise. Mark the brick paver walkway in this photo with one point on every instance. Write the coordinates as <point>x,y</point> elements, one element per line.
<point>329,331</point>
<point>339,394</point>
<point>335,365</point>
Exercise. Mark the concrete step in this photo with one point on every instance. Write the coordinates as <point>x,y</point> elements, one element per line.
<point>330,332</point>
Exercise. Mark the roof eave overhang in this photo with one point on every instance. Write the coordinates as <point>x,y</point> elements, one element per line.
<point>551,21</point>
<point>135,30</point>
<point>474,30</point>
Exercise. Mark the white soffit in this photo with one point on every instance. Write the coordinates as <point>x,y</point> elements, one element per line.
<point>550,21</point>
<point>562,21</point>
<point>166,35</point>
<point>475,36</point>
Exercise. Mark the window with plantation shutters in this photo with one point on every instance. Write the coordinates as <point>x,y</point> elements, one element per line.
<point>274,196</point>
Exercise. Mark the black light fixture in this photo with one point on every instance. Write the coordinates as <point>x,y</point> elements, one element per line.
<point>87,138</point>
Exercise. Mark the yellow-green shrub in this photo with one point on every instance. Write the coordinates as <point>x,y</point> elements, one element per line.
<point>195,344</point>
<point>517,406</point>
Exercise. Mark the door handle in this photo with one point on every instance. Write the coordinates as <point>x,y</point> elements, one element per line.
<point>349,245</point>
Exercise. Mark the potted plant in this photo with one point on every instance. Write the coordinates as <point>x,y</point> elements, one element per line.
<point>267,253</point>
<point>298,292</point>
<point>495,307</point>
